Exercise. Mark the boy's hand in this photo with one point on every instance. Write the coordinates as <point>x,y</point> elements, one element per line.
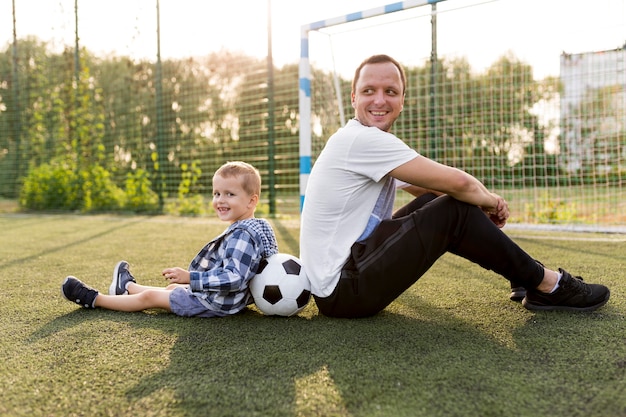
<point>176,275</point>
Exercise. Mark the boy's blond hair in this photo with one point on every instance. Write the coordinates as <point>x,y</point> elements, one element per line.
<point>249,175</point>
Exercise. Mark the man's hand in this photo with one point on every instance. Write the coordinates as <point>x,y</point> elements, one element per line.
<point>500,213</point>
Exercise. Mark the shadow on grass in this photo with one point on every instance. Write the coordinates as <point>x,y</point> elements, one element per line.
<point>26,221</point>
<point>60,248</point>
<point>415,359</point>
<point>419,361</point>
<point>590,248</point>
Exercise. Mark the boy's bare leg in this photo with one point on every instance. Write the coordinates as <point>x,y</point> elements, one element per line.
<point>147,298</point>
<point>134,288</point>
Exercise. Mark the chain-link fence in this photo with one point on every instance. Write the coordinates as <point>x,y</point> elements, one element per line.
<point>132,105</point>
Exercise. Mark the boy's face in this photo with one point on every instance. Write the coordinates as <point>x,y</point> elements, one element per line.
<point>230,201</point>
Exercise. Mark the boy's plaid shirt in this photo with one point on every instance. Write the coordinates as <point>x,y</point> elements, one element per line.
<point>221,271</point>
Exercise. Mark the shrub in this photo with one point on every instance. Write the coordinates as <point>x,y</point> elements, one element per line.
<point>51,186</point>
<point>99,191</point>
<point>57,186</point>
<point>189,201</point>
<point>140,197</point>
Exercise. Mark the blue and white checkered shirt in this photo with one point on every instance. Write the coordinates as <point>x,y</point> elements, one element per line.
<point>221,271</point>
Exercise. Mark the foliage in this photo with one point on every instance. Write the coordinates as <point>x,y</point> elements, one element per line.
<point>190,179</point>
<point>551,211</point>
<point>193,205</point>
<point>53,186</point>
<point>215,108</point>
<point>58,186</point>
<point>99,192</point>
<point>107,112</point>
<point>190,201</point>
<point>140,198</point>
<point>262,210</point>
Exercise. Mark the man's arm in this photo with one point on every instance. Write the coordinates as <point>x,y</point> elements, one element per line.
<point>428,174</point>
<point>416,191</point>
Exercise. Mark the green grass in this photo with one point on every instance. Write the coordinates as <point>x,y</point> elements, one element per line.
<point>453,345</point>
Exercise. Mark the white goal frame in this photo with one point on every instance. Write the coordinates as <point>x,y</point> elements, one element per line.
<point>304,74</point>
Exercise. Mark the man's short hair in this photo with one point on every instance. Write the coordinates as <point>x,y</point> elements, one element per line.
<point>379,59</point>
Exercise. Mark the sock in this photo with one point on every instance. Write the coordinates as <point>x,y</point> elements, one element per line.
<point>93,303</point>
<point>558,279</point>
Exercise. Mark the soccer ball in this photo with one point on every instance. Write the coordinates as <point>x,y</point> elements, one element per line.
<point>280,286</point>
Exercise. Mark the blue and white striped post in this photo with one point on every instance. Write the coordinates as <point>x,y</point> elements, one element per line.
<point>304,75</point>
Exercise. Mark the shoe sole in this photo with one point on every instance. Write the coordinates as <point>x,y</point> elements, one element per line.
<point>113,286</point>
<point>535,307</point>
<point>517,296</point>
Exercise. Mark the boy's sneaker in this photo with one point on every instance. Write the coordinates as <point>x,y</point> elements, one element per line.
<point>121,278</point>
<point>572,295</point>
<point>76,291</point>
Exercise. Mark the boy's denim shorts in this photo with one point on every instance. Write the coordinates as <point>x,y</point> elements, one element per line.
<point>184,303</point>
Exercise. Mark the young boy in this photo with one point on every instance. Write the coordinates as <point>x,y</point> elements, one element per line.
<point>216,283</point>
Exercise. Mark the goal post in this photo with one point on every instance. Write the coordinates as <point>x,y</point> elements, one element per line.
<point>304,74</point>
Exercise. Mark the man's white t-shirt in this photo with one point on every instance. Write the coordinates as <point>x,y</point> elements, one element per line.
<point>348,192</point>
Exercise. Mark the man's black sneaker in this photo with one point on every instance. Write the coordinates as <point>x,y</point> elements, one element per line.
<point>76,291</point>
<point>573,294</point>
<point>517,293</point>
<point>121,278</point>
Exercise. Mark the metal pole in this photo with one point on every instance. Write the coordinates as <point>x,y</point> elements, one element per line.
<point>17,111</point>
<point>77,88</point>
<point>160,163</point>
<point>270,119</point>
<point>76,44</point>
<point>435,151</point>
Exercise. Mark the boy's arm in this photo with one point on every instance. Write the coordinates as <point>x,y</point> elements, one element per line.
<point>240,259</point>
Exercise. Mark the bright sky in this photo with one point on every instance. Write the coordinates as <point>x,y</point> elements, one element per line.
<point>537,31</point>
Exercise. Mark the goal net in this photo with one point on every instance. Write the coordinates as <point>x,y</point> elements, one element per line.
<point>535,109</point>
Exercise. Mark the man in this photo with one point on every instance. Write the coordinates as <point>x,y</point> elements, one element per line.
<point>360,258</point>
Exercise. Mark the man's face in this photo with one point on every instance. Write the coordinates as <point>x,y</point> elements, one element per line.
<point>378,96</point>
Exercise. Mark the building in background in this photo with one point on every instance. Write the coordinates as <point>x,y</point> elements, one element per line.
<point>593,113</point>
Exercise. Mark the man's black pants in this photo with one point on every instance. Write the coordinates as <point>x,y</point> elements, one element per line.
<point>403,248</point>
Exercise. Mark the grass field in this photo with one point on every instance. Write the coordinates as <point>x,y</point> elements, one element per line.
<point>453,345</point>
